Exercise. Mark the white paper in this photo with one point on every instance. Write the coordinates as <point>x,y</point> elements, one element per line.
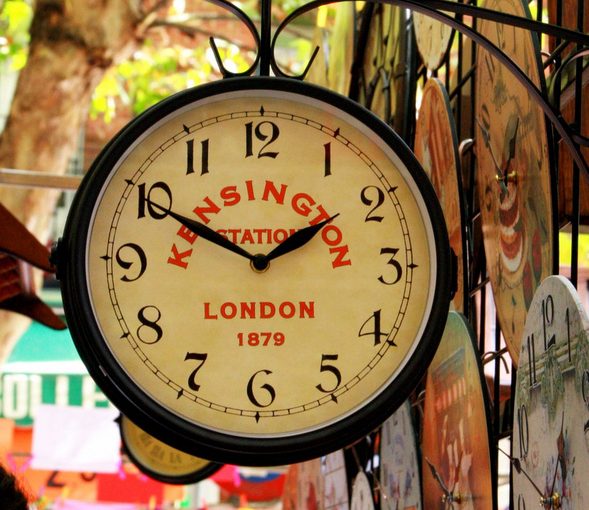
<point>68,438</point>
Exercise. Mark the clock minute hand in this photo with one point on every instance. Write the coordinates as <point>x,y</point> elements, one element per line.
<point>518,467</point>
<point>298,239</point>
<point>201,230</point>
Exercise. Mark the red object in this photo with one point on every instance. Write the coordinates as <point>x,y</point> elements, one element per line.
<point>253,488</point>
<point>129,488</point>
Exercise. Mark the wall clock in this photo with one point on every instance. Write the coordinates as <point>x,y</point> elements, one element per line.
<point>383,75</point>
<point>433,39</point>
<point>550,440</point>
<point>335,481</point>
<point>456,458</point>
<point>436,148</point>
<point>310,485</point>
<point>362,497</point>
<point>160,461</point>
<point>256,270</point>
<point>513,171</point>
<point>400,481</point>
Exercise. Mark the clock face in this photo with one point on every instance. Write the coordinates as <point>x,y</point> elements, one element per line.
<point>386,54</point>
<point>400,482</point>
<point>252,263</point>
<point>436,148</point>
<point>513,169</point>
<point>551,414</point>
<point>456,461</point>
<point>335,481</point>
<point>361,493</point>
<point>433,39</point>
<point>159,460</point>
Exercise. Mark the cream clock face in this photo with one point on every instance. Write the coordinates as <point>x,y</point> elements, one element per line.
<point>551,413</point>
<point>433,39</point>
<point>256,264</point>
<point>513,173</point>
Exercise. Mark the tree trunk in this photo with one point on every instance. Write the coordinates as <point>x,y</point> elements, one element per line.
<point>72,45</point>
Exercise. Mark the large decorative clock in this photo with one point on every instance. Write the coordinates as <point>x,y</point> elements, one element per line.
<point>513,172</point>
<point>550,440</point>
<point>256,271</point>
<point>436,148</point>
<point>457,464</point>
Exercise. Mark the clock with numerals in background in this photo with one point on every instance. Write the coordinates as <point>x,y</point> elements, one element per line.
<point>550,441</point>
<point>159,460</point>
<point>256,271</point>
<point>513,172</point>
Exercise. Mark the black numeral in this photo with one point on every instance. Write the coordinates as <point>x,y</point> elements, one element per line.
<point>521,502</point>
<point>377,201</point>
<point>125,263</point>
<point>269,393</point>
<point>204,157</point>
<point>532,358</point>
<point>547,320</point>
<point>264,131</point>
<point>150,332</point>
<point>327,153</point>
<point>156,201</point>
<point>372,328</point>
<point>524,432</point>
<point>398,269</point>
<point>332,369</point>
<point>201,358</point>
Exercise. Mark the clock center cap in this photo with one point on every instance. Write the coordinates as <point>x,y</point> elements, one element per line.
<point>260,263</point>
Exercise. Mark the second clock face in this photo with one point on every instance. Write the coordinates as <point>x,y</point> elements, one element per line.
<point>513,173</point>
<point>238,348</point>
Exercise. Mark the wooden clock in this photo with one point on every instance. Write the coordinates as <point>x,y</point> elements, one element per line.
<point>383,75</point>
<point>399,469</point>
<point>160,461</point>
<point>256,271</point>
<point>456,459</point>
<point>550,440</point>
<point>513,172</point>
<point>436,148</point>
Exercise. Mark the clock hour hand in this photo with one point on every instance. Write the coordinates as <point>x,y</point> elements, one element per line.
<point>201,230</point>
<point>498,170</point>
<point>512,132</point>
<point>447,494</point>
<point>297,239</point>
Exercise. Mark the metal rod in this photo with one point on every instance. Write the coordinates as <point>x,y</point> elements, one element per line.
<point>36,179</point>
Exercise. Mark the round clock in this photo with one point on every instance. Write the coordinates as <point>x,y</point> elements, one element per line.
<point>160,461</point>
<point>433,39</point>
<point>436,148</point>
<point>456,456</point>
<point>335,481</point>
<point>400,482</point>
<point>550,440</point>
<point>383,77</point>
<point>256,271</point>
<point>513,172</point>
<point>362,498</point>
<point>309,485</point>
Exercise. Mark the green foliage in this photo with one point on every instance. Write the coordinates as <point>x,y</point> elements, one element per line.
<point>156,73</point>
<point>15,20</point>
